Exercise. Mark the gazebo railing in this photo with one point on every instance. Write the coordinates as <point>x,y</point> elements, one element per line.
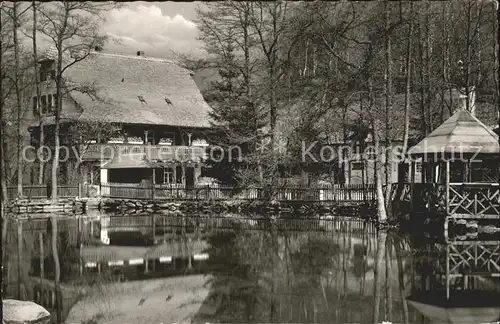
<point>464,200</point>
<point>478,200</point>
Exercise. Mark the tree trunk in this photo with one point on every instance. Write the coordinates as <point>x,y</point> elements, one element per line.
<point>388,290</point>
<point>58,108</point>
<point>388,107</point>
<point>57,267</point>
<point>5,226</point>
<point>408,80</point>
<point>3,173</point>
<point>18,100</point>
<point>497,90</point>
<point>443,64</point>
<point>402,291</point>
<point>19,257</point>
<point>381,211</point>
<point>379,261</point>
<point>428,68</point>
<point>37,85</point>
<point>467,67</point>
<point>42,256</point>
<point>423,115</point>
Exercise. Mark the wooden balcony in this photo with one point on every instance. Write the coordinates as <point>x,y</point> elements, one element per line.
<point>153,152</point>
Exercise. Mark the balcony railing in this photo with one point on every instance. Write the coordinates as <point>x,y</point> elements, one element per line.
<point>153,152</point>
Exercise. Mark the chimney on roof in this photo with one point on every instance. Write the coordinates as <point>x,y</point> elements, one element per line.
<point>140,53</point>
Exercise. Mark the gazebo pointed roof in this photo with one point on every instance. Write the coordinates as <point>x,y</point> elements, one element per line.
<point>461,133</point>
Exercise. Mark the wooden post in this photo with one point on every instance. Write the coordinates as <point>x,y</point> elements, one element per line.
<point>189,253</point>
<point>153,226</point>
<point>183,175</point>
<point>412,184</point>
<point>19,256</point>
<point>447,187</point>
<point>447,272</point>
<point>424,172</point>
<point>42,256</point>
<point>79,190</point>
<point>154,183</point>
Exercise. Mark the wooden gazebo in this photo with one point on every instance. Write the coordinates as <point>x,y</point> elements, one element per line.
<point>460,168</point>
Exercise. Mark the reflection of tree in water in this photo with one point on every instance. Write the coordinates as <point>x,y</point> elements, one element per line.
<point>236,289</point>
<point>306,283</point>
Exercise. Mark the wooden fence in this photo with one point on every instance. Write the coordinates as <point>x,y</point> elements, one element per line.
<point>174,192</point>
<point>43,191</point>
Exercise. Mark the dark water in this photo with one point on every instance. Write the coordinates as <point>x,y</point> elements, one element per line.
<point>336,270</point>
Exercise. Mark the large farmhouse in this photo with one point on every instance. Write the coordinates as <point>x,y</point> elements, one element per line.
<point>153,105</point>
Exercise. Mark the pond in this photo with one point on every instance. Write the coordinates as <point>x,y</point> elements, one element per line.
<point>168,268</point>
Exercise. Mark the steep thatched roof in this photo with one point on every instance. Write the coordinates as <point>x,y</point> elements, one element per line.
<point>138,90</point>
<point>462,132</point>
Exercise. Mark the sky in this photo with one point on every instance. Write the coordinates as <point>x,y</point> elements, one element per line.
<point>160,29</point>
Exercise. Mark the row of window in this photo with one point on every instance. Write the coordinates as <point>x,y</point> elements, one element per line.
<point>47,102</point>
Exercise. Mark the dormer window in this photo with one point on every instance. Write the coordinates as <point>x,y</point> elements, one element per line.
<point>141,99</point>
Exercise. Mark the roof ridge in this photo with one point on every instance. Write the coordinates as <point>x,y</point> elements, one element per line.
<point>483,125</point>
<point>130,56</point>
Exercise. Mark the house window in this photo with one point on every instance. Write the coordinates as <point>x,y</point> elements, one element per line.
<point>35,106</point>
<point>47,102</point>
<point>54,103</point>
<point>168,175</point>
<point>47,70</point>
<point>357,166</point>
<point>43,102</point>
<point>418,167</point>
<point>46,75</point>
<point>43,75</point>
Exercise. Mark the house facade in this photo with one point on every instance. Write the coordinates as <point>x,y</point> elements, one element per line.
<point>130,119</point>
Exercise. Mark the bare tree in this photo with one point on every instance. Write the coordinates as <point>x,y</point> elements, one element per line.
<point>86,133</point>
<point>268,21</point>
<point>409,37</point>
<point>73,30</point>
<point>3,47</point>
<point>15,14</point>
<point>38,94</point>
<point>388,103</point>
